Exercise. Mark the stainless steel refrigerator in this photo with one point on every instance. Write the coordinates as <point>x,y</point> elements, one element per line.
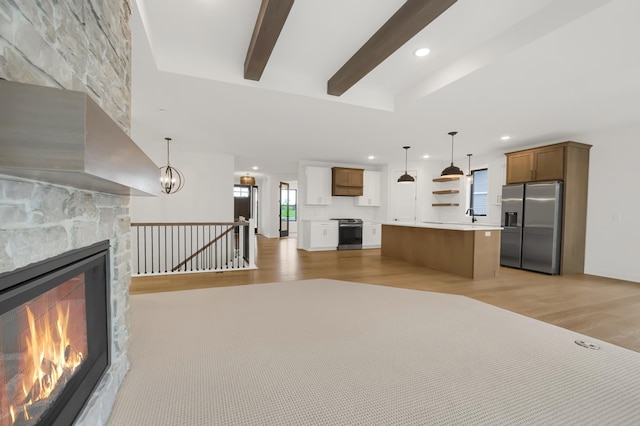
<point>532,222</point>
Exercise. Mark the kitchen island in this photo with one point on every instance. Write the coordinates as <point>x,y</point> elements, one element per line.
<point>472,251</point>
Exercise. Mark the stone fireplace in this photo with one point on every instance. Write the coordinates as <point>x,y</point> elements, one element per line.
<point>63,137</point>
<point>82,46</point>
<point>42,221</point>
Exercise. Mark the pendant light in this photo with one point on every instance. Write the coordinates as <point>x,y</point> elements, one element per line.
<point>406,177</point>
<point>470,175</point>
<point>247,180</point>
<point>171,179</point>
<point>452,170</point>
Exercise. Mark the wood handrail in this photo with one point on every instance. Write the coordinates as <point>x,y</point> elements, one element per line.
<point>240,223</point>
<point>209,244</point>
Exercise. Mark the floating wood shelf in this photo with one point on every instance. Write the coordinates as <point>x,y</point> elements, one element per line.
<point>445,204</point>
<point>446,179</point>
<point>447,191</point>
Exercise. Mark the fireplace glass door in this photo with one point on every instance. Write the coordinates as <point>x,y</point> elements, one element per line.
<point>43,342</point>
<point>53,333</point>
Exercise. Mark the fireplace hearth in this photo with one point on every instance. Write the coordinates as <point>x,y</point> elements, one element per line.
<point>54,336</point>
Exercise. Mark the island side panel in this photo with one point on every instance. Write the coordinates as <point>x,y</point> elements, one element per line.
<point>439,249</point>
<point>486,259</point>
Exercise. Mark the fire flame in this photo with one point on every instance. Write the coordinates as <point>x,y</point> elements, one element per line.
<point>51,359</point>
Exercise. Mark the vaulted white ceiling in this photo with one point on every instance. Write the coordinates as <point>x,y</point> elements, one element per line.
<point>540,71</point>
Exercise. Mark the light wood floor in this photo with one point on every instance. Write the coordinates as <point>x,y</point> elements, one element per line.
<point>603,308</point>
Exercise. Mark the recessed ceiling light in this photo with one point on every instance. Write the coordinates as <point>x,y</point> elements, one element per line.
<point>425,156</point>
<point>371,157</point>
<point>255,167</point>
<point>422,52</point>
<point>505,138</point>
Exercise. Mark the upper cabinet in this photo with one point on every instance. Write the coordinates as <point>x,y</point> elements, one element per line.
<point>318,185</point>
<point>538,164</point>
<point>371,189</point>
<point>347,182</point>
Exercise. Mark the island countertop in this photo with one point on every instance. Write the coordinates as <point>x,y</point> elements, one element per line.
<point>453,226</point>
<point>472,251</point>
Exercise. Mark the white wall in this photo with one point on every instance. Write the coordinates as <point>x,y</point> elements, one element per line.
<point>265,214</point>
<point>613,212</point>
<point>428,170</point>
<point>207,195</point>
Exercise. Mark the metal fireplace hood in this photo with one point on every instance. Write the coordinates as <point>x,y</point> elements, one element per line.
<point>64,137</point>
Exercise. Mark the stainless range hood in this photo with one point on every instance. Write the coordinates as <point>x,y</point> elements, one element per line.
<point>64,137</point>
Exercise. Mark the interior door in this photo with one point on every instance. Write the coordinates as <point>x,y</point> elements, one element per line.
<point>284,209</point>
<point>405,205</point>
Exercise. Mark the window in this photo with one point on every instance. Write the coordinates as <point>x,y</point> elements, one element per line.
<point>288,204</point>
<point>241,191</point>
<point>479,186</point>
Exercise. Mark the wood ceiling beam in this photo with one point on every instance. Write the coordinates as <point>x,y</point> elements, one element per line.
<point>271,19</point>
<point>408,21</point>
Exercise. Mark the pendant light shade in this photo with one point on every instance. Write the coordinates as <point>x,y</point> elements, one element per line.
<point>171,179</point>
<point>406,177</point>
<point>247,180</point>
<point>452,170</point>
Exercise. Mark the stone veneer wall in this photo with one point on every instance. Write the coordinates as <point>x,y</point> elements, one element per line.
<point>39,221</point>
<point>82,45</point>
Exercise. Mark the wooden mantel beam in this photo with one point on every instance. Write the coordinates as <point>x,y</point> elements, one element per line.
<point>271,19</point>
<point>408,21</point>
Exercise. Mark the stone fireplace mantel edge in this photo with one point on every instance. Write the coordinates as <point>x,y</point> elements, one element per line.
<point>64,137</point>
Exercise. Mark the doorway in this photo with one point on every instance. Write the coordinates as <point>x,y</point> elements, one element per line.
<point>405,205</point>
<point>242,205</point>
<point>284,209</point>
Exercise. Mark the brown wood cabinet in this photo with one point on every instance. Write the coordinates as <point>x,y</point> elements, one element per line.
<point>569,162</point>
<point>347,181</point>
<point>535,165</point>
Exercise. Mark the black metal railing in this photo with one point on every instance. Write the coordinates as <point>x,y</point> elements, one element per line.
<point>164,248</point>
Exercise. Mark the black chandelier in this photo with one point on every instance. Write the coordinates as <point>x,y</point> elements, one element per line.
<point>171,179</point>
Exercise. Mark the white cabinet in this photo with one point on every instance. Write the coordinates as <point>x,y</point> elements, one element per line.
<point>320,235</point>
<point>371,189</point>
<point>318,185</point>
<point>371,235</point>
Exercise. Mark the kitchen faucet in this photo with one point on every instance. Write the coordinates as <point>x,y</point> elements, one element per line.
<point>472,214</point>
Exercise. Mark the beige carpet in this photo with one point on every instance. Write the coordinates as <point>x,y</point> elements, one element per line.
<point>323,352</point>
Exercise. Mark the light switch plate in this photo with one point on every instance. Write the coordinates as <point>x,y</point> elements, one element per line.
<point>487,233</point>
